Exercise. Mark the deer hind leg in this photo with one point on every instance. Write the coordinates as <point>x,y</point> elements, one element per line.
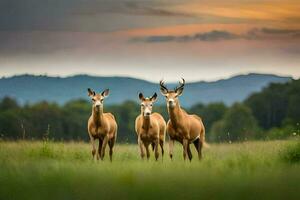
<point>153,146</point>
<point>105,141</point>
<point>111,144</point>
<point>198,145</point>
<point>189,152</point>
<point>185,144</point>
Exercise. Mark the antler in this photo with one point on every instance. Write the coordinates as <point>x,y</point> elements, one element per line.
<point>162,85</point>
<point>181,85</point>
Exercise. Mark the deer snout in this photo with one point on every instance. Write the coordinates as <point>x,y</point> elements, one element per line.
<point>98,104</point>
<point>171,102</point>
<point>147,112</point>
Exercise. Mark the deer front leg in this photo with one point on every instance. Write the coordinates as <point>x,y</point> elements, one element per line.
<point>156,149</point>
<point>147,151</point>
<point>93,147</point>
<point>141,145</point>
<point>99,149</point>
<point>171,147</point>
<point>185,144</point>
<point>105,141</point>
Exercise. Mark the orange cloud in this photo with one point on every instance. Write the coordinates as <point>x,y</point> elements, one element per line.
<point>258,10</point>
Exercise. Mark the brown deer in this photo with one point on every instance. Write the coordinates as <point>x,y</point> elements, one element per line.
<point>101,126</point>
<point>182,127</point>
<point>150,128</point>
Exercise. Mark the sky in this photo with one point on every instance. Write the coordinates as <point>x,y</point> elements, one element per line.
<point>150,39</point>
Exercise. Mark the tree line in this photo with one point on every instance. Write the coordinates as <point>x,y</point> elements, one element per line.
<point>273,113</point>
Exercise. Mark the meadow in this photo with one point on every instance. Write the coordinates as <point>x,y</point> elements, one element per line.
<point>65,170</point>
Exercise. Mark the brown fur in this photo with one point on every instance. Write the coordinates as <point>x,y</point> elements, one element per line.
<point>183,127</point>
<point>101,126</point>
<point>150,129</point>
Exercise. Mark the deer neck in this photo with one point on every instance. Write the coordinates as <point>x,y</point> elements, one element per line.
<point>146,122</point>
<point>175,115</point>
<point>98,116</point>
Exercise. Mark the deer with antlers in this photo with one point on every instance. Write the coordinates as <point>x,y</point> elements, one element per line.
<point>150,127</point>
<point>101,126</point>
<point>182,127</point>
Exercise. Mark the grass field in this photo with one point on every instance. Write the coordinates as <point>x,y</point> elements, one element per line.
<point>250,170</point>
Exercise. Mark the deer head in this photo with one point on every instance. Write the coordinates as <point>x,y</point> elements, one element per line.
<point>146,104</point>
<point>172,95</point>
<point>98,99</point>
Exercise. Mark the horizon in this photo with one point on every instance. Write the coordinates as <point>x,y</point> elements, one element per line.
<point>147,80</point>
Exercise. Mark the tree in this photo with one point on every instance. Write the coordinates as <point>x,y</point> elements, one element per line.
<point>209,113</point>
<point>293,110</point>
<point>269,107</point>
<point>237,124</point>
<point>75,116</point>
<point>8,103</point>
<point>125,115</point>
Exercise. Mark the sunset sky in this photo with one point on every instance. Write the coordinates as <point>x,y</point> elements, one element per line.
<point>150,39</point>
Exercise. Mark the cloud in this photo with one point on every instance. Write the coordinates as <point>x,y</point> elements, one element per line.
<point>146,9</point>
<point>279,31</point>
<point>268,33</point>
<point>219,35</point>
<point>88,15</point>
<point>215,35</point>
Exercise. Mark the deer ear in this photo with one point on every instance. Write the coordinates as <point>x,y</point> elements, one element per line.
<point>141,96</point>
<point>154,97</point>
<point>91,92</point>
<point>105,93</point>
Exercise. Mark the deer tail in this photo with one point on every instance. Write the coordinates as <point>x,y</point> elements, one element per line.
<point>206,145</point>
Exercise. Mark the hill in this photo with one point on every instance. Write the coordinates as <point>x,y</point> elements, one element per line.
<point>31,89</point>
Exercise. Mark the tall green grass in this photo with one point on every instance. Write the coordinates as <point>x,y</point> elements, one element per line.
<point>48,170</point>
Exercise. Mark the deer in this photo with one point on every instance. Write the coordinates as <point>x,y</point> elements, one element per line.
<point>150,128</point>
<point>101,126</point>
<point>182,127</point>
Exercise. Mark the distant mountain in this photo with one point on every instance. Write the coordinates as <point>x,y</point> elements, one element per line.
<point>29,88</point>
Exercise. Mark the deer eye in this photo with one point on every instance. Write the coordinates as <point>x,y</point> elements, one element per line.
<point>93,100</point>
<point>151,104</point>
<point>101,100</point>
<point>142,105</point>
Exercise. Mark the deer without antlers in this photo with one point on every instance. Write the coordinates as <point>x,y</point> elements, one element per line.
<point>150,127</point>
<point>182,127</point>
<point>101,126</point>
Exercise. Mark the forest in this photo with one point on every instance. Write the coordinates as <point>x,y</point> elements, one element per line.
<point>272,113</point>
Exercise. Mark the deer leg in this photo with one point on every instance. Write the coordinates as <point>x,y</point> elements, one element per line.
<point>99,149</point>
<point>189,152</point>
<point>156,149</point>
<point>105,141</point>
<point>161,143</point>
<point>200,149</point>
<point>153,146</point>
<point>147,151</point>
<point>141,145</point>
<point>111,146</point>
<point>198,145</point>
<point>185,148</point>
<point>93,147</point>
<point>171,148</point>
